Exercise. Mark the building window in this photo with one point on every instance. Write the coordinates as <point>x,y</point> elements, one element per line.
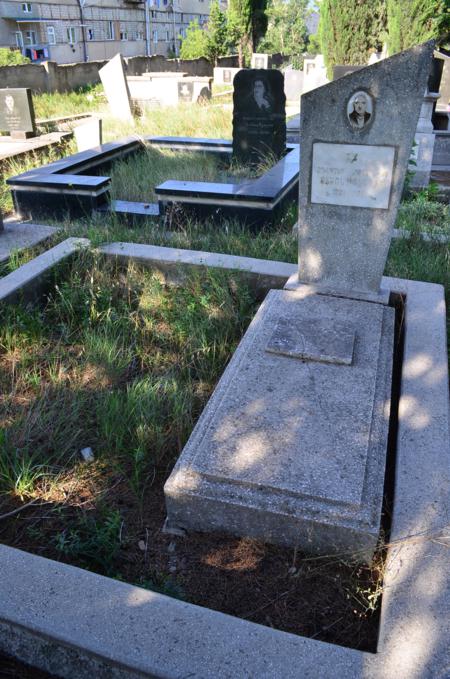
<point>26,7</point>
<point>139,35</point>
<point>30,37</point>
<point>71,35</point>
<point>155,36</point>
<point>167,36</point>
<point>51,36</point>
<point>90,33</point>
<point>19,39</point>
<point>110,30</point>
<point>124,35</point>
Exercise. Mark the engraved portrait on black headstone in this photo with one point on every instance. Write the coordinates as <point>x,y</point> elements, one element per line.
<point>16,111</point>
<point>359,110</point>
<point>259,115</point>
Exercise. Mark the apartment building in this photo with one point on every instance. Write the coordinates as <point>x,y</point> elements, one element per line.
<point>86,30</point>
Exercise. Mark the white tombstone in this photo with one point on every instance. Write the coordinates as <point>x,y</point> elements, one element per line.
<point>314,73</point>
<point>89,134</point>
<point>116,89</point>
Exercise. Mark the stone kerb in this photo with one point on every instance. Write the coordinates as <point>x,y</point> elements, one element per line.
<point>78,624</point>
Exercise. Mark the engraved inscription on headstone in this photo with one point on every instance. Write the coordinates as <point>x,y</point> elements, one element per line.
<point>259,115</point>
<point>16,112</point>
<point>185,91</point>
<point>352,174</point>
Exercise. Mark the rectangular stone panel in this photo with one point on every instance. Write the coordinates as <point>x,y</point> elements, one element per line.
<point>352,174</point>
<point>313,340</point>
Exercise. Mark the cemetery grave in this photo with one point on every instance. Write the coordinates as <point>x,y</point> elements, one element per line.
<point>240,575</point>
<point>259,137</point>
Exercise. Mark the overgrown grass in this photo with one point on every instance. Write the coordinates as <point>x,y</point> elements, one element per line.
<point>83,100</point>
<point>114,361</point>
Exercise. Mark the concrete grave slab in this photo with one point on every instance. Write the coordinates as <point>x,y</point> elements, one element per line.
<point>278,453</point>
<point>16,237</point>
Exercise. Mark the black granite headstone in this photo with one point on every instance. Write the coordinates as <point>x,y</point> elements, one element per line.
<point>17,112</point>
<point>341,70</point>
<point>259,115</point>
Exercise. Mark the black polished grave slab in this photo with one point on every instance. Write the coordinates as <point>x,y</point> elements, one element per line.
<point>259,115</point>
<point>61,187</point>
<point>254,201</point>
<point>65,186</point>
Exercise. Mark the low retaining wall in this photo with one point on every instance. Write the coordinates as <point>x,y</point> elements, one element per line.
<point>52,77</point>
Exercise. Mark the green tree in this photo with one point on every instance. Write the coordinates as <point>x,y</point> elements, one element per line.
<point>217,34</point>
<point>411,22</point>
<point>239,19</point>
<point>12,57</point>
<point>286,30</point>
<point>195,44</point>
<point>349,30</point>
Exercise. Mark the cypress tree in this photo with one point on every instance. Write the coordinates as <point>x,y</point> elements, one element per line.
<point>349,30</point>
<point>411,22</point>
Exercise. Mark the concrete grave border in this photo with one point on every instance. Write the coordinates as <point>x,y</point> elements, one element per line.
<point>78,624</point>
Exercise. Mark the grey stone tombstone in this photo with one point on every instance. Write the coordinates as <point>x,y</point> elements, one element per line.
<point>293,84</point>
<point>260,60</point>
<point>185,92</point>
<point>259,115</point>
<point>17,112</point>
<point>352,169</point>
<point>291,448</point>
<point>116,88</point>
<point>89,134</point>
<point>340,70</point>
<point>444,89</point>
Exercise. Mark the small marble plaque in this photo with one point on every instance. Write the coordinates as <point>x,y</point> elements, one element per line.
<point>355,175</point>
<point>314,339</point>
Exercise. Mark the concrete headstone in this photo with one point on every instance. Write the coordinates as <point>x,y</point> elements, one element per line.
<point>352,169</point>
<point>259,115</point>
<point>89,134</point>
<point>293,84</point>
<point>260,60</point>
<point>17,112</point>
<point>443,103</point>
<point>116,88</point>
<point>314,73</point>
<point>224,76</point>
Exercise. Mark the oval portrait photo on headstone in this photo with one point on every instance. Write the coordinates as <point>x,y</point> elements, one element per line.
<point>360,110</point>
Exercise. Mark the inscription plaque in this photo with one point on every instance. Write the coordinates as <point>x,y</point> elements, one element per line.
<point>353,175</point>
